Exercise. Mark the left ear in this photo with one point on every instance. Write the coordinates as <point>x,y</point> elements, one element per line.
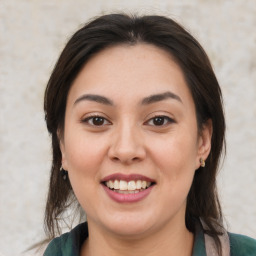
<point>62,150</point>
<point>204,142</point>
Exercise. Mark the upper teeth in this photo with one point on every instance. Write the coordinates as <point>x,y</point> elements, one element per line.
<point>130,185</point>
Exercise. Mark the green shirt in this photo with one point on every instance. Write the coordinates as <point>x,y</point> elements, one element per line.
<point>69,244</point>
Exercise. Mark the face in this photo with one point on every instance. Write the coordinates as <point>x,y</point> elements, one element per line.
<point>131,144</point>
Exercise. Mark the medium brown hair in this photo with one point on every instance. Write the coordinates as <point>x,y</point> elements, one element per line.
<point>162,32</point>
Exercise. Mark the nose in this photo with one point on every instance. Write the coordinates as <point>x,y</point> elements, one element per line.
<point>127,145</point>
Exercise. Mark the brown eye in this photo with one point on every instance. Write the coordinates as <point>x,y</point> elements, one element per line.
<point>96,121</point>
<point>160,121</point>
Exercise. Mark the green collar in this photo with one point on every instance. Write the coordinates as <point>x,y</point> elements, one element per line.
<point>69,244</point>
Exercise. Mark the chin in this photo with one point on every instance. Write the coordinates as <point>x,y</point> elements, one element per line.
<point>130,231</point>
<point>128,226</point>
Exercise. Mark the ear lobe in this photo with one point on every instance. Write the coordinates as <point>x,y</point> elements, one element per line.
<point>204,143</point>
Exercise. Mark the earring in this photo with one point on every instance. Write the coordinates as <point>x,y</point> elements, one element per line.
<point>202,162</point>
<point>63,173</point>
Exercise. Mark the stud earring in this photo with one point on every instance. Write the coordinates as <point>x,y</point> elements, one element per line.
<point>63,173</point>
<point>202,162</point>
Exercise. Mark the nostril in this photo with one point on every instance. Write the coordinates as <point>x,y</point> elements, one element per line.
<point>126,160</point>
<point>115,159</point>
<point>134,159</point>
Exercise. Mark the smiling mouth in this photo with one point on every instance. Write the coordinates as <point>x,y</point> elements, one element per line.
<point>128,187</point>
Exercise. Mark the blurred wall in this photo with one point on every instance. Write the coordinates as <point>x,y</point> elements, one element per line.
<point>32,34</point>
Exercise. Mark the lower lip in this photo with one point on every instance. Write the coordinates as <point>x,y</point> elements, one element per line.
<point>127,198</point>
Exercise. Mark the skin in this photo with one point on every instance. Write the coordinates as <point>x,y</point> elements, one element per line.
<point>129,141</point>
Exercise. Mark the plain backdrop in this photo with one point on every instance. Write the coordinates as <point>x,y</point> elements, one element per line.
<point>33,33</point>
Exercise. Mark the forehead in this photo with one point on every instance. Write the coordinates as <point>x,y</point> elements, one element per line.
<point>131,71</point>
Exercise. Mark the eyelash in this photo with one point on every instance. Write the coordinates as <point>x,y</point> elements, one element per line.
<point>167,120</point>
<point>93,118</point>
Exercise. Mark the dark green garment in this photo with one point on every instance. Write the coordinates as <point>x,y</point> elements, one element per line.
<point>69,244</point>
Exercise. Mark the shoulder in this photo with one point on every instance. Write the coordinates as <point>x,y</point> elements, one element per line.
<point>68,243</point>
<point>242,245</point>
<point>57,245</point>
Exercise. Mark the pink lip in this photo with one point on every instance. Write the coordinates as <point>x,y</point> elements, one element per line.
<point>120,176</point>
<point>127,198</point>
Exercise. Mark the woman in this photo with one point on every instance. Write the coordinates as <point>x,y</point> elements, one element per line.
<point>135,114</point>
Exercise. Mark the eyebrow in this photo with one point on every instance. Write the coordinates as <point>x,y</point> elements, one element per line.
<point>96,98</point>
<point>148,100</point>
<point>159,97</point>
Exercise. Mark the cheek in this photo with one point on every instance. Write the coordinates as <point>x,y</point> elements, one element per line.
<point>176,169</point>
<point>84,159</point>
<point>83,151</point>
<point>175,160</point>
<point>174,154</point>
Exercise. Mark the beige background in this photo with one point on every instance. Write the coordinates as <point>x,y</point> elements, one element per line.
<point>32,34</point>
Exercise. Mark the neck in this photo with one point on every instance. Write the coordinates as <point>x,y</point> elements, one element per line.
<point>169,241</point>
